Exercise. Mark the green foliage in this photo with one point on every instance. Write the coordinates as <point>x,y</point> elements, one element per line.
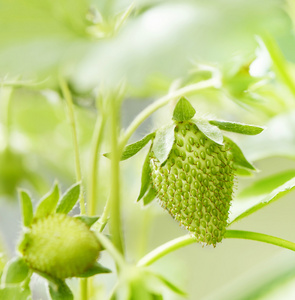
<point>26,208</point>
<point>261,194</point>
<point>237,127</point>
<point>183,111</point>
<point>89,221</point>
<point>210,131</point>
<point>58,290</point>
<point>15,271</point>
<point>92,46</point>
<point>47,204</point>
<point>163,142</point>
<point>69,199</point>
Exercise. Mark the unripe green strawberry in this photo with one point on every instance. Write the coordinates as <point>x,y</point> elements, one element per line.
<point>60,246</point>
<point>195,184</point>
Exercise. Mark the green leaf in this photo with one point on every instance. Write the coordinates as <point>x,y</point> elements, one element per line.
<point>259,195</point>
<point>237,127</point>
<point>69,199</point>
<point>26,208</point>
<point>145,177</point>
<point>238,157</point>
<point>15,271</point>
<point>60,291</point>
<point>163,142</point>
<point>149,196</point>
<point>89,221</point>
<point>97,268</point>
<point>15,293</point>
<point>48,203</point>
<point>265,186</point>
<point>132,149</point>
<point>183,110</point>
<point>211,132</point>
<point>171,286</point>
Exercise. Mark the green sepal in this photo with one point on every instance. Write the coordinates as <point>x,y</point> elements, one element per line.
<point>210,131</point>
<point>132,149</point>
<point>97,268</point>
<point>26,208</point>
<point>163,142</point>
<point>240,162</point>
<point>59,290</point>
<point>47,204</point>
<point>89,221</point>
<point>69,199</point>
<point>15,293</point>
<point>237,127</point>
<point>149,196</point>
<point>183,110</point>
<point>15,271</point>
<point>145,177</point>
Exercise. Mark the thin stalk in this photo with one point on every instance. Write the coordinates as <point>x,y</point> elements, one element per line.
<point>180,242</point>
<point>279,62</point>
<point>165,249</point>
<point>114,201</point>
<point>213,82</point>
<point>94,164</point>
<point>260,237</point>
<point>112,250</point>
<point>68,97</point>
<point>102,221</point>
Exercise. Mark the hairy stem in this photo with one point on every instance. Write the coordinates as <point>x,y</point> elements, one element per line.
<point>162,102</point>
<point>180,242</point>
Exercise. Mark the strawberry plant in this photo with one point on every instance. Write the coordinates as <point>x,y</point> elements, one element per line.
<point>201,152</point>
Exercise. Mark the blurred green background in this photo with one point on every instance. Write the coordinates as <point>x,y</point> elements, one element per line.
<point>160,46</point>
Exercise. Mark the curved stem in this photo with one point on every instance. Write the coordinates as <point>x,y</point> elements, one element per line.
<point>166,249</point>
<point>260,237</point>
<point>213,82</point>
<point>180,242</point>
<point>112,250</point>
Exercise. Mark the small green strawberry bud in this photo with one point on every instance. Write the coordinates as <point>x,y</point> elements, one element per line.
<point>198,186</point>
<point>60,246</point>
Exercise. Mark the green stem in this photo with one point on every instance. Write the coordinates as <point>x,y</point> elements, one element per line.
<point>165,249</point>
<point>114,201</point>
<point>188,239</point>
<point>102,221</point>
<point>68,97</point>
<point>279,62</point>
<point>213,82</point>
<point>260,237</point>
<point>83,288</point>
<point>94,163</point>
<point>113,251</point>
